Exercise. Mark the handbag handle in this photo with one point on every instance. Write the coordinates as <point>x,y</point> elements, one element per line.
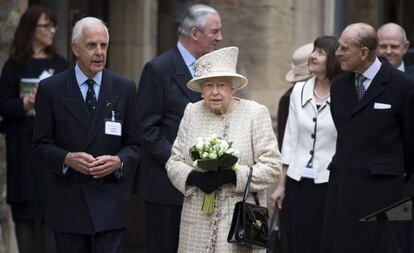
<point>246,189</point>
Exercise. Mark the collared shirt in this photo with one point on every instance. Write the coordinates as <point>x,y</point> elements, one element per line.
<point>83,86</point>
<point>371,72</point>
<point>189,59</point>
<point>310,135</point>
<point>401,67</point>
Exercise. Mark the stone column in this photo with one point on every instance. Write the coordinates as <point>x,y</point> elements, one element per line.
<point>10,12</point>
<point>267,32</point>
<point>133,31</point>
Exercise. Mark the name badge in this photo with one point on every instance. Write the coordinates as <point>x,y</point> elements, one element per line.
<point>309,172</point>
<point>113,127</point>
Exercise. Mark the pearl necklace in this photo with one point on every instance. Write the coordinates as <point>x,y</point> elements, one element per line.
<point>320,97</point>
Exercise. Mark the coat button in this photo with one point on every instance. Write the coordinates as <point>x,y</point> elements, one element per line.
<point>311,152</point>
<point>314,119</point>
<point>313,136</point>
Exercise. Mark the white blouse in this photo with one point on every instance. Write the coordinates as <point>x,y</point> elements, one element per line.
<point>310,135</point>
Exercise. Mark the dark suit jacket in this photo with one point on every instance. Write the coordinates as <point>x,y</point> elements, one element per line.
<point>162,98</point>
<point>282,115</point>
<point>79,203</point>
<point>374,150</point>
<point>410,71</point>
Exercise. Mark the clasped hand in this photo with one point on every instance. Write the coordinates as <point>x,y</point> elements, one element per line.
<point>209,181</point>
<point>95,166</point>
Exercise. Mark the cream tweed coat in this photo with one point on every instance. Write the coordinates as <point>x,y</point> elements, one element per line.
<point>249,127</point>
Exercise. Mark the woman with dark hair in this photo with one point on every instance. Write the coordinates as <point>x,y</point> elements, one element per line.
<point>32,58</point>
<point>308,146</point>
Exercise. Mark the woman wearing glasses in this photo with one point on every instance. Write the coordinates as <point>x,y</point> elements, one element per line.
<point>32,58</point>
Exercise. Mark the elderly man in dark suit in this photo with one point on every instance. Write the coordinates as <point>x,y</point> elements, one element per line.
<point>372,108</point>
<point>86,131</point>
<point>162,98</point>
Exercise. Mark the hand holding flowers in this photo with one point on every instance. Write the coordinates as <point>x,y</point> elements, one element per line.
<point>217,157</point>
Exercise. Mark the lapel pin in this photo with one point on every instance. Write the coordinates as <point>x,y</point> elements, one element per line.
<point>108,103</point>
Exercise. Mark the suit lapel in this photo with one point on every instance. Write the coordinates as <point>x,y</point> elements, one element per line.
<point>106,103</point>
<point>375,88</point>
<point>183,75</point>
<point>75,103</point>
<point>348,92</point>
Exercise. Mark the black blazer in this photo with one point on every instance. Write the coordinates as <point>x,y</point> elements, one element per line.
<point>162,97</point>
<point>26,179</point>
<point>373,153</point>
<point>79,203</point>
<point>410,71</point>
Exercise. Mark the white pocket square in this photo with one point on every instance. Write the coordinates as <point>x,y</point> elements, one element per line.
<point>381,106</point>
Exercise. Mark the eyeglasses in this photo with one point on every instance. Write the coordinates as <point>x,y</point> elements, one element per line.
<point>48,26</point>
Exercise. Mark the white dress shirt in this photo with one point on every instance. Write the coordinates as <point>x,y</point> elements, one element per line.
<point>310,135</point>
<point>189,59</point>
<point>371,72</point>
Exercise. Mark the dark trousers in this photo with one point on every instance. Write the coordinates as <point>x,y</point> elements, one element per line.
<point>33,236</point>
<point>305,213</point>
<point>162,227</point>
<point>103,242</point>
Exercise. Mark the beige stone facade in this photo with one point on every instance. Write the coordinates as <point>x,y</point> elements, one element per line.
<point>266,32</point>
<point>10,12</point>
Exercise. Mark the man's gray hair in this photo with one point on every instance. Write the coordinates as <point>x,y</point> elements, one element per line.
<point>86,22</point>
<point>195,17</point>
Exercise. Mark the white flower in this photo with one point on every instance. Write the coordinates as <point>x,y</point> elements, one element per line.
<point>223,146</point>
<point>200,144</point>
<point>230,151</point>
<point>195,163</point>
<point>213,147</point>
<point>212,156</point>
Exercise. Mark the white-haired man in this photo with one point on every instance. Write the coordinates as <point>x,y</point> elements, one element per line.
<point>162,98</point>
<point>85,132</point>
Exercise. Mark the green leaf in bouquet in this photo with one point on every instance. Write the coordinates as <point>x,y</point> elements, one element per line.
<point>194,153</point>
<point>210,165</point>
<point>227,161</point>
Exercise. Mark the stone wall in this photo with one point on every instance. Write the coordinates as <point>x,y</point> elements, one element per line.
<point>267,32</point>
<point>133,26</point>
<point>10,12</point>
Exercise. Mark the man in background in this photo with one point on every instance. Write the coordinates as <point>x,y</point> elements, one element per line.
<point>162,98</point>
<point>392,45</point>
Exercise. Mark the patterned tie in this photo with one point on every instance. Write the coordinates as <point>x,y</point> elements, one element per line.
<point>360,89</point>
<point>91,102</point>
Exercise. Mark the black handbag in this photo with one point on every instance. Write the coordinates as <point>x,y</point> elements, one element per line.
<point>249,226</point>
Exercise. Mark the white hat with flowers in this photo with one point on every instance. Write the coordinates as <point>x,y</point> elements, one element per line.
<point>219,63</point>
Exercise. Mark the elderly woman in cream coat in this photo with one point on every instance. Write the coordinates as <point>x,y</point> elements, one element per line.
<point>244,122</point>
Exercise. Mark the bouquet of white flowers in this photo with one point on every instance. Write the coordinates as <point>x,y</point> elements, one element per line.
<point>212,153</point>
